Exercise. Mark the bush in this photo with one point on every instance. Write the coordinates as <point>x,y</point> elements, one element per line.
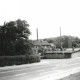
<point>18,60</point>
<point>34,58</point>
<point>13,60</point>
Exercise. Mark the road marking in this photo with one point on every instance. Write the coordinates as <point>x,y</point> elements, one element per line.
<point>40,71</point>
<point>52,71</point>
<point>20,74</point>
<point>13,71</point>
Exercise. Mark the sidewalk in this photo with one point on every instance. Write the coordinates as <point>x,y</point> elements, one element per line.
<point>75,76</point>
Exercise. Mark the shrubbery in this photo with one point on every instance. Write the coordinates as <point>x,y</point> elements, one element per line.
<point>34,58</point>
<point>15,46</point>
<point>18,60</point>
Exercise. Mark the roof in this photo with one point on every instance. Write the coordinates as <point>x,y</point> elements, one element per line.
<point>43,43</point>
<point>52,44</point>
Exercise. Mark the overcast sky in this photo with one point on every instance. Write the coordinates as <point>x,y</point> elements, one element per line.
<point>46,15</point>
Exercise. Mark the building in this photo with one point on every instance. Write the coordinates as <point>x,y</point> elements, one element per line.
<point>41,46</point>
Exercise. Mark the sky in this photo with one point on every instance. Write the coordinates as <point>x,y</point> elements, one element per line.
<point>46,15</point>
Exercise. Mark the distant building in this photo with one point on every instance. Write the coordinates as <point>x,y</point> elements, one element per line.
<point>41,46</point>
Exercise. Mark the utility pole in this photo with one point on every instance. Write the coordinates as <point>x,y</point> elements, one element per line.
<point>60,40</point>
<point>37,33</point>
<point>37,47</point>
<point>60,32</point>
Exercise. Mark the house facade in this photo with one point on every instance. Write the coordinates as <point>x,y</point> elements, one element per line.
<point>41,46</point>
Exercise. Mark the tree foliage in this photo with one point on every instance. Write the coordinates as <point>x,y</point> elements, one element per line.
<point>14,38</point>
<point>67,41</point>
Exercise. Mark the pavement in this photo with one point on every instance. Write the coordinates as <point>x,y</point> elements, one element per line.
<point>47,69</point>
<point>75,76</point>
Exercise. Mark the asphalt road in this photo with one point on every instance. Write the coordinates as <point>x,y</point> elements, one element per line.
<point>47,69</point>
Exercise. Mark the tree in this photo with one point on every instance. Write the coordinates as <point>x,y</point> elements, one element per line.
<point>14,38</point>
<point>67,41</point>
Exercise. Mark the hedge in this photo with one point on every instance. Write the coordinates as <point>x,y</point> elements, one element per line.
<point>34,58</point>
<point>18,60</point>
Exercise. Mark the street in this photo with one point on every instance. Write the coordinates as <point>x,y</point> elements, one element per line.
<point>47,69</point>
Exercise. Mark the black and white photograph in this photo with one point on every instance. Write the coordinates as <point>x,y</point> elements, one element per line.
<point>39,39</point>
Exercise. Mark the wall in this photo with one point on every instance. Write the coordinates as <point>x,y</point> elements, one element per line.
<point>57,55</point>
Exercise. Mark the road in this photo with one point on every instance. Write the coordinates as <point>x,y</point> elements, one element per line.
<point>47,69</point>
